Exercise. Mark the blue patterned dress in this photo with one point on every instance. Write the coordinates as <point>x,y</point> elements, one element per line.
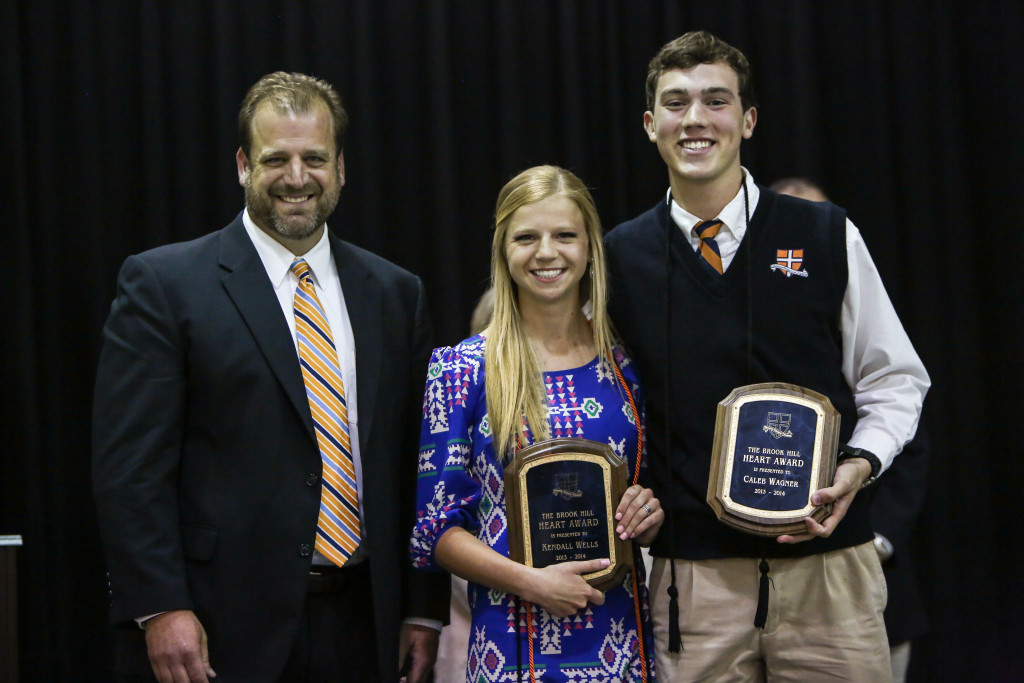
<point>460,483</point>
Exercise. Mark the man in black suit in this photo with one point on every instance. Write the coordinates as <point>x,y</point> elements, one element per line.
<point>209,463</point>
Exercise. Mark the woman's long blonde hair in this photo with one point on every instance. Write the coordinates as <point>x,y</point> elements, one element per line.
<point>515,387</point>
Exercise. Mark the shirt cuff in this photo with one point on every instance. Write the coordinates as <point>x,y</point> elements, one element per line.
<point>882,445</point>
<point>435,624</point>
<point>141,621</point>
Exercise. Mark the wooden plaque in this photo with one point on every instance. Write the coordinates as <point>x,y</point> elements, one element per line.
<point>775,445</point>
<point>561,496</point>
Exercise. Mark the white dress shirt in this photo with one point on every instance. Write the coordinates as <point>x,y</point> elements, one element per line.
<point>884,372</point>
<point>277,260</point>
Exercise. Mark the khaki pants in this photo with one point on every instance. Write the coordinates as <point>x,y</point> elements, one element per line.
<point>824,619</point>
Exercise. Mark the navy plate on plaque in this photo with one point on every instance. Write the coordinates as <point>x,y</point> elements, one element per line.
<point>775,445</point>
<point>561,496</point>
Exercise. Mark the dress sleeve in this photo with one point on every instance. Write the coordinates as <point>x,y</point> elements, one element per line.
<point>448,492</point>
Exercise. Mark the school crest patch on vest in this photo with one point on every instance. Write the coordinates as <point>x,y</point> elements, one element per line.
<point>790,262</point>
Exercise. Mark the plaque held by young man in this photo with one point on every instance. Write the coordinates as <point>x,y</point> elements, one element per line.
<point>775,445</point>
<point>561,496</point>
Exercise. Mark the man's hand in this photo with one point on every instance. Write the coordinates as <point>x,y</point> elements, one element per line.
<point>177,648</point>
<point>419,645</point>
<point>849,476</point>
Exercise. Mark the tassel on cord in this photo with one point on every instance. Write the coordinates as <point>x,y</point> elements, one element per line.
<point>762,596</point>
<point>675,642</point>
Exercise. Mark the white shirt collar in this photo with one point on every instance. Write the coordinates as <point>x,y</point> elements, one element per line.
<point>733,216</point>
<point>277,259</point>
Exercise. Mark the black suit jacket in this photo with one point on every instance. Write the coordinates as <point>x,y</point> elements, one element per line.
<point>206,468</point>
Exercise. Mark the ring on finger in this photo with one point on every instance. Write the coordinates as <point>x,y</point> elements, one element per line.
<point>648,508</point>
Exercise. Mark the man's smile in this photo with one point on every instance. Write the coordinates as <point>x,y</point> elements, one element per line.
<point>696,145</point>
<point>293,199</point>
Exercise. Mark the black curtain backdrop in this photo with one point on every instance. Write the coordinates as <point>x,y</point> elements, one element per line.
<point>119,135</point>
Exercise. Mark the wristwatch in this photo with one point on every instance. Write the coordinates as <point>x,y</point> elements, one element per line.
<point>846,451</point>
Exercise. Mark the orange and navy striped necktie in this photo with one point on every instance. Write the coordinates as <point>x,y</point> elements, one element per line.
<point>707,230</point>
<point>337,534</point>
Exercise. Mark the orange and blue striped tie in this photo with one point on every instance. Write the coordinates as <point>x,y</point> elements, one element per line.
<point>337,534</point>
<point>707,230</point>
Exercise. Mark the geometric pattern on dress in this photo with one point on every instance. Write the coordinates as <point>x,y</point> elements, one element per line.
<point>471,358</point>
<point>550,634</point>
<point>480,465</point>
<point>438,505</point>
<point>425,464</point>
<point>567,625</point>
<point>618,642</point>
<point>456,387</point>
<point>459,451</point>
<point>431,522</point>
<point>458,370</point>
<point>617,659</point>
<point>605,372</point>
<point>424,535</point>
<point>474,498</point>
<point>491,513</point>
<point>485,426</point>
<point>533,617</point>
<point>592,408</point>
<point>434,410</point>
<point>448,380</point>
<point>564,410</point>
<point>619,447</point>
<point>492,522</point>
<point>583,619</point>
<point>485,662</point>
<point>512,617</point>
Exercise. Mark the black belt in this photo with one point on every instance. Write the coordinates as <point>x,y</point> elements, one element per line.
<point>327,578</point>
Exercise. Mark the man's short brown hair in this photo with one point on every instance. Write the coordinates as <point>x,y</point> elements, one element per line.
<point>700,47</point>
<point>291,93</point>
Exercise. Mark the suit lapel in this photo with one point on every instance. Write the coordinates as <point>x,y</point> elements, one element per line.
<point>247,284</point>
<point>363,302</point>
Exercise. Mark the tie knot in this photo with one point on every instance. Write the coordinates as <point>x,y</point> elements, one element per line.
<point>301,269</point>
<point>708,229</point>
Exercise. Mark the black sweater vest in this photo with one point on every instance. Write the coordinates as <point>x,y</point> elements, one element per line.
<point>755,323</point>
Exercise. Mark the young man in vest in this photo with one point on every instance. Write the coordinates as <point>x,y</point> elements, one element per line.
<point>696,298</point>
